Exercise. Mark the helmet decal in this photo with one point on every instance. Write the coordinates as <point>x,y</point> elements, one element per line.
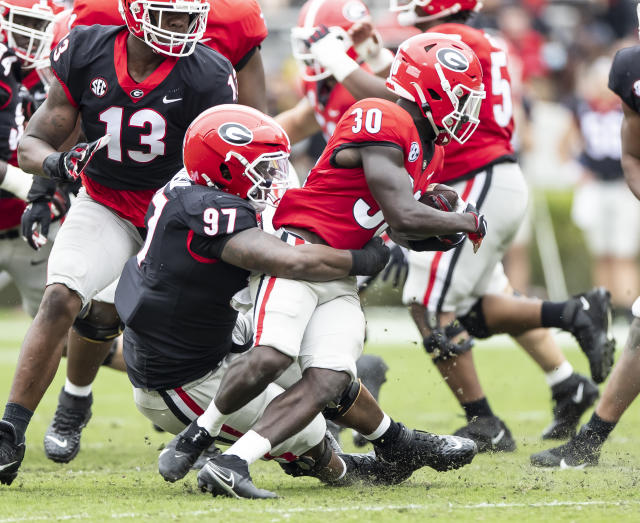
<point>453,59</point>
<point>354,11</point>
<point>235,133</point>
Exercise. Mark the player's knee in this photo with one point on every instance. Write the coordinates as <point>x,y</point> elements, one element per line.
<point>59,302</point>
<point>440,345</point>
<point>98,322</point>
<point>341,404</point>
<point>266,364</point>
<point>474,321</point>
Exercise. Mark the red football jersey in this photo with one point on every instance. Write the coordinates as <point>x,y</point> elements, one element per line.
<point>233,28</point>
<point>492,138</point>
<point>328,111</point>
<point>335,203</point>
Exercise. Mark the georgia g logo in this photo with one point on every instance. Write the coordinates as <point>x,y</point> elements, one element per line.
<point>453,59</point>
<point>235,133</point>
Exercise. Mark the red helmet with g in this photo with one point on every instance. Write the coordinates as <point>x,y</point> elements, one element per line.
<point>239,150</point>
<point>443,76</point>
<point>412,12</point>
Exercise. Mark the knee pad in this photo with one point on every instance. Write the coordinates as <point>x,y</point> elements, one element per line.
<point>341,406</point>
<point>93,328</point>
<point>474,321</point>
<point>439,345</point>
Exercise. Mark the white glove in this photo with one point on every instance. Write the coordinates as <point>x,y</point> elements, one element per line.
<point>329,49</point>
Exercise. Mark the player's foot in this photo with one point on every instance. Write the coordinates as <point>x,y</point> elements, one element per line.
<point>589,321</point>
<point>206,454</point>
<point>489,433</point>
<point>177,458</point>
<point>11,453</point>
<point>580,451</point>
<point>372,371</point>
<point>414,449</point>
<point>571,399</point>
<point>228,475</point>
<point>62,439</point>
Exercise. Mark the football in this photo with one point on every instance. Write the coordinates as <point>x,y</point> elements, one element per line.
<point>437,194</point>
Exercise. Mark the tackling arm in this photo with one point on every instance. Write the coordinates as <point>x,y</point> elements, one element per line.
<point>631,149</point>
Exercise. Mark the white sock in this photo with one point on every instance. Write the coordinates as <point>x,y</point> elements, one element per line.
<point>250,447</point>
<point>382,428</point>
<point>76,390</point>
<point>212,419</point>
<point>560,374</point>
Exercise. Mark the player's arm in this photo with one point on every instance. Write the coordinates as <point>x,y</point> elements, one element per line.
<point>389,184</point>
<point>299,122</point>
<point>255,250</point>
<point>631,148</point>
<point>49,127</point>
<point>252,90</point>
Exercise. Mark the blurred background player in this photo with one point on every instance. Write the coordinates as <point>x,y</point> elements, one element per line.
<point>456,295</point>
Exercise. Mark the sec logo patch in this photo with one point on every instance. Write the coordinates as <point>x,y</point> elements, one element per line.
<point>414,151</point>
<point>636,87</point>
<point>98,86</point>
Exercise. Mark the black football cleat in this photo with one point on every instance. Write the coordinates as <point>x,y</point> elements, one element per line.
<point>414,449</point>
<point>571,399</point>
<point>368,469</point>
<point>206,454</point>
<point>589,320</point>
<point>182,452</point>
<point>489,433</point>
<point>228,475</point>
<point>11,453</point>
<point>62,439</point>
<point>581,451</point>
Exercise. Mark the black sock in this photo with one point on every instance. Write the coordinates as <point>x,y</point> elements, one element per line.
<point>600,428</point>
<point>19,417</point>
<point>389,436</point>
<point>553,314</point>
<point>477,409</point>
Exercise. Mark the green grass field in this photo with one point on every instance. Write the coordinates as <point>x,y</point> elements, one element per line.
<point>115,475</point>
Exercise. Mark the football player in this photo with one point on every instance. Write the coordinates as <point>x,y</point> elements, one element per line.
<point>141,85</point>
<point>203,239</point>
<point>380,155</point>
<point>455,296</point>
<point>624,386</point>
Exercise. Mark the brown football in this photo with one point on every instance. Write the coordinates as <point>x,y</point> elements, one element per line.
<point>442,190</point>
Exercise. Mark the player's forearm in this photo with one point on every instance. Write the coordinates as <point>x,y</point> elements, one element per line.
<point>631,167</point>
<point>363,85</point>
<point>31,154</point>
<point>316,263</point>
<point>425,222</point>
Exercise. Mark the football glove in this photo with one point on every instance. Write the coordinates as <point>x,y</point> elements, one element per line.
<point>371,259</point>
<point>68,166</point>
<point>398,265</point>
<point>478,235</point>
<point>330,51</point>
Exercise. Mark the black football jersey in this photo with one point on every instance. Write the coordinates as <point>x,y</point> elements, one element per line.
<point>624,77</point>
<point>147,121</point>
<point>174,295</point>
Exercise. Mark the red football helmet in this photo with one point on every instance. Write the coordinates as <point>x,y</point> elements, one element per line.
<point>338,16</point>
<point>239,150</point>
<point>443,76</point>
<point>144,20</point>
<point>412,12</point>
<point>61,27</point>
<point>27,26</point>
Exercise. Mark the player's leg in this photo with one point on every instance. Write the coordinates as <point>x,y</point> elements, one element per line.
<point>622,389</point>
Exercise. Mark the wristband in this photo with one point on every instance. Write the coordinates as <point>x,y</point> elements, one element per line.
<point>17,182</point>
<point>329,51</point>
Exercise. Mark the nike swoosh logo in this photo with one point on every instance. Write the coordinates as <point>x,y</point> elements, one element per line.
<point>457,444</point>
<point>585,303</point>
<point>564,465</point>
<point>498,438</point>
<point>61,443</point>
<point>170,100</point>
<point>2,467</point>
<point>38,262</point>
<point>227,480</point>
<point>577,397</point>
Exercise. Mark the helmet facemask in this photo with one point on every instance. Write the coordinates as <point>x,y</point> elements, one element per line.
<point>311,70</point>
<point>149,14</point>
<point>29,31</point>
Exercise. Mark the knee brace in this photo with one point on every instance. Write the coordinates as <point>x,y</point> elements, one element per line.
<point>93,328</point>
<point>343,403</point>
<point>439,345</point>
<point>474,321</point>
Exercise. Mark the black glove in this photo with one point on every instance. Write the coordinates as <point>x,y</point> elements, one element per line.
<point>68,166</point>
<point>371,259</point>
<point>398,264</point>
<point>37,217</point>
<point>478,235</point>
<point>437,243</point>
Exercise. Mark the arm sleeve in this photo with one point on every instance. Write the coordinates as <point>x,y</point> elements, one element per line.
<point>624,76</point>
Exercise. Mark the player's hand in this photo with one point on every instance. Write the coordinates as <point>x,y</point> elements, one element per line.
<point>437,243</point>
<point>478,235</point>
<point>398,265</point>
<point>371,259</point>
<point>35,223</point>
<point>68,166</point>
<point>329,48</point>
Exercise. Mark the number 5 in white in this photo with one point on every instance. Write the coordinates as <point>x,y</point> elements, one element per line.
<point>501,87</point>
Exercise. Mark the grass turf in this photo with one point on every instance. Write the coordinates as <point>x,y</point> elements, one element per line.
<point>115,474</point>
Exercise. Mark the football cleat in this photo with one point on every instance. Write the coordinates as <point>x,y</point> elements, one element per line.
<point>414,449</point>
<point>367,468</point>
<point>589,320</point>
<point>489,433</point>
<point>579,452</point>
<point>206,454</point>
<point>228,475</point>
<point>62,439</point>
<point>571,398</point>
<point>182,452</point>
<point>11,453</point>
